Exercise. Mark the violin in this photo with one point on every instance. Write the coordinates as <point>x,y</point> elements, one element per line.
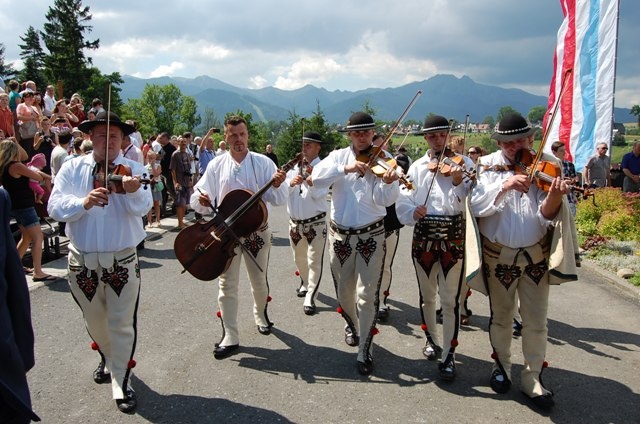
<point>545,172</point>
<point>114,177</point>
<point>379,163</point>
<point>445,165</point>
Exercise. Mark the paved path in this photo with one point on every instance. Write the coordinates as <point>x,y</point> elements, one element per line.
<point>304,372</point>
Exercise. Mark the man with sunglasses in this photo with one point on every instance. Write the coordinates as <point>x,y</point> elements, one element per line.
<point>597,170</point>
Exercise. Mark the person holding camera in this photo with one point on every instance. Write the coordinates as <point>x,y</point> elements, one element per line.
<point>180,168</point>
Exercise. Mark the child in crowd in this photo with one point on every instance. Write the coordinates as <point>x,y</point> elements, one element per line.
<point>38,161</point>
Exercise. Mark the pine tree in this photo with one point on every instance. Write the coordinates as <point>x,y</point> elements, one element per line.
<point>6,69</point>
<point>64,37</point>
<point>33,58</point>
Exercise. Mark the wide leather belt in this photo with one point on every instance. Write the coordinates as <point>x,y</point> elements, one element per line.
<point>309,220</point>
<point>440,227</point>
<point>355,231</point>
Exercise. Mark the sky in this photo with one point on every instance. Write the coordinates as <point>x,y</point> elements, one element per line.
<point>334,44</point>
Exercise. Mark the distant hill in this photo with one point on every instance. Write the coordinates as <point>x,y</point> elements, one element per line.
<point>442,94</point>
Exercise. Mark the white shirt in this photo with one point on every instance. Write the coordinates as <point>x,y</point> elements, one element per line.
<point>513,220</point>
<point>49,104</point>
<point>58,155</point>
<point>445,198</point>
<point>155,146</point>
<point>136,139</point>
<point>111,228</point>
<point>134,153</point>
<point>355,201</point>
<point>224,174</point>
<point>305,202</point>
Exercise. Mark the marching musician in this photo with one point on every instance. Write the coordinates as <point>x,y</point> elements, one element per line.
<point>104,229</point>
<point>356,235</point>
<point>436,209</point>
<point>307,208</point>
<point>519,223</point>
<point>391,237</point>
<point>241,169</point>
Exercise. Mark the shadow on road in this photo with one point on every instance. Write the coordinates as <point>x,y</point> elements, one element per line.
<point>186,409</point>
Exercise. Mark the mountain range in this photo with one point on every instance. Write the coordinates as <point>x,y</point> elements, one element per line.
<point>445,95</point>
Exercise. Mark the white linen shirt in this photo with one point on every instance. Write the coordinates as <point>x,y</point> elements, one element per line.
<point>111,228</point>
<point>224,174</point>
<point>355,201</point>
<point>513,220</point>
<point>445,198</point>
<point>305,202</point>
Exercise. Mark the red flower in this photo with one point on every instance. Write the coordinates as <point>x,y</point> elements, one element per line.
<point>374,331</point>
<point>454,342</point>
<point>545,364</point>
<point>386,293</point>
<point>297,273</point>
<point>219,314</point>
<point>268,298</point>
<point>494,355</point>
<point>94,346</point>
<point>340,310</point>
<point>424,327</point>
<point>131,364</point>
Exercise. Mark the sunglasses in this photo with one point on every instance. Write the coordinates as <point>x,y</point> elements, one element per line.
<point>473,152</point>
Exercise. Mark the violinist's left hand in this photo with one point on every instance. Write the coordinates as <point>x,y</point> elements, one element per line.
<point>551,204</point>
<point>278,177</point>
<point>390,176</point>
<point>130,184</point>
<point>456,175</point>
<point>309,181</point>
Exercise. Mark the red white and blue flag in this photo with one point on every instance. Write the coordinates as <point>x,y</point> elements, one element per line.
<point>587,46</point>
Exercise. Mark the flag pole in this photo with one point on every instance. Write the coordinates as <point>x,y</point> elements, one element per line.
<point>615,69</point>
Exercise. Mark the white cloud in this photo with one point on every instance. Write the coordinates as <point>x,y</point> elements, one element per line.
<point>308,70</point>
<point>257,81</point>
<point>166,70</point>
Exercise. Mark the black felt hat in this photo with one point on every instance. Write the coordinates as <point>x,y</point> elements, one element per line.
<point>312,136</point>
<point>434,123</point>
<point>512,126</point>
<point>101,118</point>
<point>359,121</point>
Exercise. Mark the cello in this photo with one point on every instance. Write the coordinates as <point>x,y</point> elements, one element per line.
<point>206,249</point>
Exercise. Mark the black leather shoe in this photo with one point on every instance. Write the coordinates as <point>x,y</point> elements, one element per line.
<point>221,352</point>
<point>129,404</point>
<point>431,351</point>
<point>350,338</point>
<point>544,401</point>
<point>265,331</point>
<point>499,382</point>
<point>309,310</point>
<point>99,376</point>
<point>448,371</point>
<point>301,292</point>
<point>517,328</point>
<point>383,313</point>
<point>366,367</point>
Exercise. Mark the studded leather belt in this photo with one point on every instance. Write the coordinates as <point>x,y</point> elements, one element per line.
<point>440,227</point>
<point>309,220</point>
<point>355,231</point>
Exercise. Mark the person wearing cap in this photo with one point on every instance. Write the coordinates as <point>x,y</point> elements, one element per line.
<point>307,208</point>
<point>356,234</point>
<point>528,243</point>
<point>241,169</point>
<point>436,210</point>
<point>104,228</point>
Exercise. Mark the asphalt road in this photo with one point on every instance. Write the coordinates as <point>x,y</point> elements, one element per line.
<point>305,373</point>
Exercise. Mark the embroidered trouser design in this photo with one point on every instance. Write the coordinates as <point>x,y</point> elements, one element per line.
<point>308,254</point>
<point>109,302</point>
<point>532,289</point>
<point>439,268</point>
<point>357,281</point>
<point>228,286</point>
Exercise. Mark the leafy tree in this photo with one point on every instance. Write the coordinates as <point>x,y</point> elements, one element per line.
<point>6,69</point>
<point>489,121</point>
<point>536,114</point>
<point>33,58</point>
<point>505,110</point>
<point>64,37</point>
<point>210,120</point>
<point>162,108</point>
<point>635,110</point>
<point>98,87</point>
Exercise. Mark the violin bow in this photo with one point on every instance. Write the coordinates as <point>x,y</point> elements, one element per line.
<point>545,135</point>
<point>301,163</point>
<point>395,126</point>
<point>106,145</point>
<point>440,157</point>
<point>464,136</point>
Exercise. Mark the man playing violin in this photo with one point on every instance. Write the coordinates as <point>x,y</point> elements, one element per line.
<point>104,228</point>
<point>356,236</point>
<point>519,223</point>
<point>436,210</point>
<point>241,169</point>
<point>307,208</point>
